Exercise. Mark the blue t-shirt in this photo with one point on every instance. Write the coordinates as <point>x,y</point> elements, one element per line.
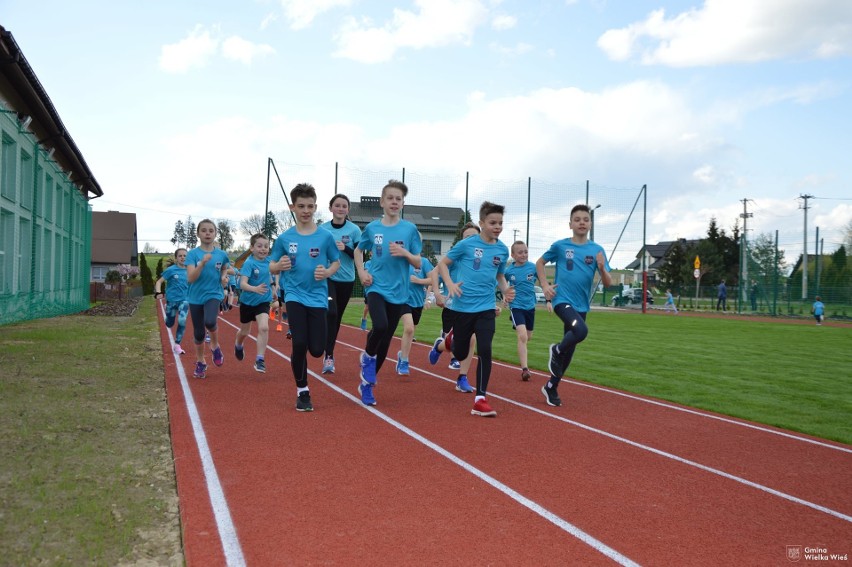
<point>477,265</point>
<point>522,277</point>
<point>819,308</point>
<point>417,292</point>
<point>176,285</point>
<point>575,270</point>
<point>306,251</point>
<point>208,285</point>
<point>390,273</point>
<point>349,234</point>
<point>257,272</point>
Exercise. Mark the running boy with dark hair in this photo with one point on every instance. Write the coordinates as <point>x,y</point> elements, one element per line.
<point>576,260</point>
<point>479,260</point>
<point>395,244</point>
<point>306,257</point>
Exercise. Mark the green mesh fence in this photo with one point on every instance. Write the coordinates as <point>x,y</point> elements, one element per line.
<point>45,231</point>
<point>537,211</point>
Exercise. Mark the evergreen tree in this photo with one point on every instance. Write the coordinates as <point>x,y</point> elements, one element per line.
<point>671,272</point>
<point>191,234</point>
<point>159,268</point>
<point>225,234</point>
<point>429,252</point>
<point>145,275</point>
<point>270,225</point>
<point>179,234</point>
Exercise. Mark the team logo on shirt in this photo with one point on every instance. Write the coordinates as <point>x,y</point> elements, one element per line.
<point>255,272</point>
<point>569,259</point>
<point>477,258</point>
<point>292,250</point>
<point>589,260</point>
<point>496,261</point>
<point>530,277</point>
<point>378,241</point>
<point>314,252</point>
<point>345,239</point>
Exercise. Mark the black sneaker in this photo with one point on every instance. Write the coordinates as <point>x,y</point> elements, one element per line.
<point>303,403</point>
<point>551,396</point>
<point>239,352</point>
<point>555,363</point>
<point>260,365</point>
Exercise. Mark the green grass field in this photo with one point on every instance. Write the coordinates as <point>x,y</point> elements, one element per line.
<point>783,373</point>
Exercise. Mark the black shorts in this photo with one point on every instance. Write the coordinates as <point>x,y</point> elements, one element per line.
<point>249,313</point>
<point>524,317</point>
<point>416,313</point>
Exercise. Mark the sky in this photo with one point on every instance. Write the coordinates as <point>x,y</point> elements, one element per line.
<point>178,106</point>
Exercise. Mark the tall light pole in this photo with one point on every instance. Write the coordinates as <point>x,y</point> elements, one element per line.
<point>592,230</point>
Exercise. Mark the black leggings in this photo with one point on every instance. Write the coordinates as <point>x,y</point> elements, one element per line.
<point>203,317</point>
<point>576,331</point>
<point>385,317</point>
<point>483,325</point>
<point>307,325</point>
<point>339,294</point>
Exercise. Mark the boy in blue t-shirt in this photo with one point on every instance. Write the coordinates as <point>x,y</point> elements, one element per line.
<point>394,244</point>
<point>576,258</point>
<point>521,275</point>
<point>206,268</point>
<point>255,282</point>
<point>818,309</point>
<point>346,236</point>
<point>479,261</point>
<point>306,256</point>
<point>419,279</point>
<point>177,307</point>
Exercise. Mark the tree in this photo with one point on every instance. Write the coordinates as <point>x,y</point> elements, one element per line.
<point>847,241</point>
<point>159,268</point>
<point>145,275</point>
<point>191,234</point>
<point>179,234</point>
<point>762,258</point>
<point>149,249</point>
<point>225,234</point>
<point>463,220</point>
<point>429,252</point>
<point>675,271</point>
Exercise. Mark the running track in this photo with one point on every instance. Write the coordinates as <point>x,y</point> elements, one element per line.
<point>608,478</point>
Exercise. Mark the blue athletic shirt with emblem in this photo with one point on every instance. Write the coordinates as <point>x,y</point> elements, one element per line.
<point>257,272</point>
<point>417,292</point>
<point>209,283</point>
<point>576,265</point>
<point>390,273</point>
<point>176,284</point>
<point>306,251</point>
<point>350,235</point>
<point>477,264</point>
<point>522,278</point>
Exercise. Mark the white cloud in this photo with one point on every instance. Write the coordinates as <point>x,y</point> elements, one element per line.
<point>202,45</point>
<point>194,51</point>
<point>502,22</point>
<point>301,13</point>
<point>735,31</point>
<point>519,48</point>
<point>239,49</point>
<point>436,23</point>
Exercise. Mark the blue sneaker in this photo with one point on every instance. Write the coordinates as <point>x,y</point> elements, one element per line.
<point>239,352</point>
<point>368,368</point>
<point>454,364</point>
<point>328,365</point>
<point>435,354</point>
<point>366,391</point>
<point>363,324</point>
<point>218,357</point>
<point>401,365</point>
<point>462,385</point>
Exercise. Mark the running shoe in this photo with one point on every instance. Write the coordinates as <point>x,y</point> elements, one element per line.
<point>462,385</point>
<point>555,362</point>
<point>525,374</point>
<point>435,354</point>
<point>551,396</point>
<point>328,365</point>
<point>218,357</point>
<point>178,349</point>
<point>401,365</point>
<point>363,324</point>
<point>454,364</point>
<point>200,370</point>
<point>239,352</point>
<point>366,391</point>
<point>481,407</point>
<point>303,402</point>
<point>289,334</point>
<point>368,368</point>
<point>260,365</point>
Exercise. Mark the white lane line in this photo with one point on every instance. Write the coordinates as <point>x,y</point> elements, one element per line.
<point>224,523</point>
<point>648,448</point>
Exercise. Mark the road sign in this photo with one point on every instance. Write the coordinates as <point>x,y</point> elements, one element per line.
<point>697,263</point>
<point>697,273</point>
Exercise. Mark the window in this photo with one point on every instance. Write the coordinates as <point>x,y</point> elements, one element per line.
<point>8,169</point>
<point>433,245</point>
<point>99,273</point>
<point>7,254</point>
<point>24,258</point>
<point>26,180</point>
<point>48,198</point>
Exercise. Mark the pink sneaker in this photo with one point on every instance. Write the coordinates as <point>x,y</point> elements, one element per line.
<point>481,407</point>
<point>178,349</point>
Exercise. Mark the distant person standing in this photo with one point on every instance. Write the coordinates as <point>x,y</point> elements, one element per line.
<point>753,295</point>
<point>818,309</point>
<point>722,296</point>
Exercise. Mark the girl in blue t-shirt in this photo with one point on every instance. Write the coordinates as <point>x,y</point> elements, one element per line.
<point>346,236</point>
<point>521,275</point>
<point>177,307</point>
<point>256,285</point>
<point>206,268</point>
<point>394,244</point>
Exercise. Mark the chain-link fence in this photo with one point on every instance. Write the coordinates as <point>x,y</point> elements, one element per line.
<point>45,231</point>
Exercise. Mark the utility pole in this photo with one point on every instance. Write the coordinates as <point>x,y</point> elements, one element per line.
<point>805,247</point>
<point>515,235</point>
<point>745,215</point>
